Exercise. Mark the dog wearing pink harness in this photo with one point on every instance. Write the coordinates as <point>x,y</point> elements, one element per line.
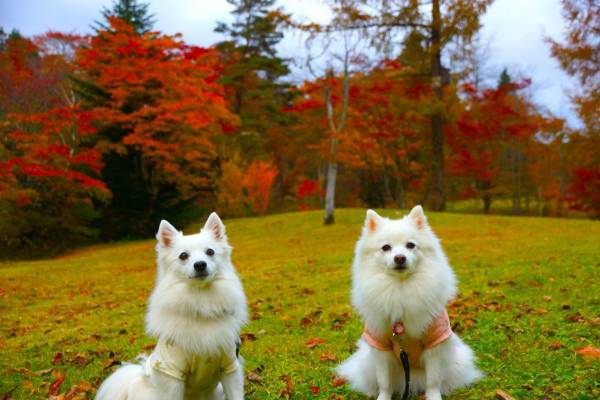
<point>401,286</point>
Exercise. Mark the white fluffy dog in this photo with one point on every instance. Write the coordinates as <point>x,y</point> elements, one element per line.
<point>196,311</point>
<point>400,287</point>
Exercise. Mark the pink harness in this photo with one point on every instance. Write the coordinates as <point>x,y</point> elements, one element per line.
<point>436,333</point>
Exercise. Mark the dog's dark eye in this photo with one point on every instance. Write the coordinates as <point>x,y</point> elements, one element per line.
<point>210,252</point>
<point>410,245</point>
<point>386,247</point>
<point>184,256</point>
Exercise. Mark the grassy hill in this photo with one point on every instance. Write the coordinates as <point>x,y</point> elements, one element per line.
<point>529,298</point>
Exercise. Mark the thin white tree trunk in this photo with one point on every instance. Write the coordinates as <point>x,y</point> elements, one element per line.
<point>330,192</point>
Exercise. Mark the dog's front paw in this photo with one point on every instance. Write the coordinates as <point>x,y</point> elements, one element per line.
<point>433,394</point>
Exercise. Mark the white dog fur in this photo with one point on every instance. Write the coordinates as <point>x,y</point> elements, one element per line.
<point>200,312</point>
<point>415,295</point>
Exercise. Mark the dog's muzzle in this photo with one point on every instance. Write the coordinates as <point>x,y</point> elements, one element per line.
<point>400,263</point>
<point>201,270</point>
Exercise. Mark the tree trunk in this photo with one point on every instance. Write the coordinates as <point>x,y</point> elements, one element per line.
<point>487,203</point>
<point>330,192</point>
<point>437,133</point>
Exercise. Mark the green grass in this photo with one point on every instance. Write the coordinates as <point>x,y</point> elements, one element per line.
<point>529,298</point>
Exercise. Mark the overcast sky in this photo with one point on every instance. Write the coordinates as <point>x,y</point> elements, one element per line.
<point>514,29</point>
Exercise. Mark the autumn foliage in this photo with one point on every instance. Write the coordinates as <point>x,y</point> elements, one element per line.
<point>158,106</point>
<point>245,189</point>
<point>50,186</point>
<point>103,135</point>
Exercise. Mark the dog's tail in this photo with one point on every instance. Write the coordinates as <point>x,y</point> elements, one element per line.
<point>120,383</point>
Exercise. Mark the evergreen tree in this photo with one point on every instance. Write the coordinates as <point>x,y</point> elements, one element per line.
<point>136,14</point>
<point>256,70</point>
<point>504,79</point>
<point>256,90</point>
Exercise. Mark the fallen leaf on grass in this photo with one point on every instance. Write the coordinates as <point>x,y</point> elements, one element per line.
<point>79,391</point>
<point>327,357</point>
<point>58,357</point>
<point>287,392</point>
<point>247,337</point>
<point>338,381</point>
<point>314,342</point>
<point>110,363</point>
<point>254,377</point>
<point>40,372</point>
<point>56,384</point>
<point>149,346</point>
<point>502,395</point>
<point>589,351</point>
<point>80,359</point>
<point>555,345</point>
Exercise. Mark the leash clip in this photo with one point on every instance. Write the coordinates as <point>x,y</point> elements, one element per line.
<point>398,329</point>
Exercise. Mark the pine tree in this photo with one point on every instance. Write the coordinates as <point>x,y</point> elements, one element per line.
<point>254,82</point>
<point>256,34</point>
<point>504,79</point>
<point>134,13</point>
<point>253,36</point>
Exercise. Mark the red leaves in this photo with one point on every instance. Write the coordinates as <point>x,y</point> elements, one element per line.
<point>308,194</point>
<point>58,357</point>
<point>314,342</point>
<point>584,191</point>
<point>55,386</point>
<point>164,97</point>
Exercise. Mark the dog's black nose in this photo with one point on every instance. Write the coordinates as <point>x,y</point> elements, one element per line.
<point>399,259</point>
<point>200,266</point>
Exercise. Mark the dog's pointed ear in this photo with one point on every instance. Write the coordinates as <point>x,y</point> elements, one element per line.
<point>373,221</point>
<point>166,233</point>
<point>418,217</point>
<point>215,226</point>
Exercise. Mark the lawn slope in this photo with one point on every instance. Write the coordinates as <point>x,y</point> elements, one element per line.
<point>529,298</point>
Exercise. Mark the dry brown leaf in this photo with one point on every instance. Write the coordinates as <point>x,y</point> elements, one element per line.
<point>502,395</point>
<point>247,337</point>
<point>555,345</point>
<point>327,357</point>
<point>41,372</point>
<point>254,377</point>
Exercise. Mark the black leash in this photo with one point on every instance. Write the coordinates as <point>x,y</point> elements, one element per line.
<point>406,366</point>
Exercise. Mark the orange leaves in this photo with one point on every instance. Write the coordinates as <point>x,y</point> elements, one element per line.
<point>245,188</point>
<point>589,352</point>
<point>257,183</point>
<point>323,357</point>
